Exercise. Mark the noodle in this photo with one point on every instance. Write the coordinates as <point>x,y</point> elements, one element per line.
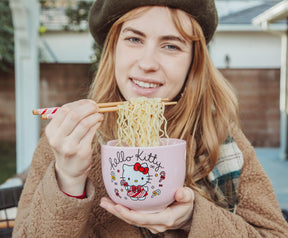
<point>140,120</point>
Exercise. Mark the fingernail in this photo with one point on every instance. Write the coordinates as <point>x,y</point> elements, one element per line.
<point>181,195</point>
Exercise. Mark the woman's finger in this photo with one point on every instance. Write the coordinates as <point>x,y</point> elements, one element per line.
<point>55,123</point>
<point>168,217</point>
<point>173,217</point>
<point>86,142</point>
<point>91,133</point>
<point>131,216</point>
<point>155,222</point>
<point>84,126</point>
<point>73,113</point>
<point>139,219</point>
<point>110,206</point>
<point>184,195</point>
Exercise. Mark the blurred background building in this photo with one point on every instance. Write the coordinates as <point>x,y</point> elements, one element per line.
<point>249,58</point>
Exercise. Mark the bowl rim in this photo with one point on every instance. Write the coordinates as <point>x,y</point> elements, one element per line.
<point>179,142</point>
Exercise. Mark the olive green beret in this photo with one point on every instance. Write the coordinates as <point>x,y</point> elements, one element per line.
<point>104,13</point>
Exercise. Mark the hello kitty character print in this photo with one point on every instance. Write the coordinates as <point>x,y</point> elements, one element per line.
<point>134,179</point>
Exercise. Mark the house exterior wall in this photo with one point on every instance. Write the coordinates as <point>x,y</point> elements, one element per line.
<point>66,47</point>
<point>246,49</point>
<point>257,90</point>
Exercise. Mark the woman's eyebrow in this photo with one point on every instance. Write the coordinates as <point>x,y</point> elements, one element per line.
<point>127,29</point>
<point>173,38</point>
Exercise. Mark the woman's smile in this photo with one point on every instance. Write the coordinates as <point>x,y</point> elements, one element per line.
<point>144,87</point>
<point>144,84</point>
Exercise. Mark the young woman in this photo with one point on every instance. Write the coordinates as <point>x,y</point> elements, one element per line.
<point>153,49</point>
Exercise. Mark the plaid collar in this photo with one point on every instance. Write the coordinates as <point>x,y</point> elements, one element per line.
<point>225,176</point>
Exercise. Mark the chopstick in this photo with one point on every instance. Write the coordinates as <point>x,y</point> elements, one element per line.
<point>114,109</point>
<point>53,110</point>
<point>48,113</point>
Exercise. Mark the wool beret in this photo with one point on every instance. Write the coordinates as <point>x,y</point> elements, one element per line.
<point>104,13</point>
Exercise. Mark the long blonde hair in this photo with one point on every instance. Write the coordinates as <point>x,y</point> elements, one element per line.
<point>206,105</point>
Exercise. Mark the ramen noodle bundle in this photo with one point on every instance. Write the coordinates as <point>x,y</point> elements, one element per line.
<point>140,122</point>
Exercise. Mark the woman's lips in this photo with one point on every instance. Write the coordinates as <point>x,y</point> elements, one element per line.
<point>144,84</point>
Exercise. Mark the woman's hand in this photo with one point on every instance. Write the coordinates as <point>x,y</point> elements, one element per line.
<point>176,216</point>
<point>70,134</point>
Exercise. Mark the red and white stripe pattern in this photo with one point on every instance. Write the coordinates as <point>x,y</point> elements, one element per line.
<point>138,193</point>
<point>42,111</point>
<point>47,113</point>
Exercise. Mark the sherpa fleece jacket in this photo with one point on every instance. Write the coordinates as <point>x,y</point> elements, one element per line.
<point>45,211</point>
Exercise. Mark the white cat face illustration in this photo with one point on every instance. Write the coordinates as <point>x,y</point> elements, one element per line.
<point>135,175</point>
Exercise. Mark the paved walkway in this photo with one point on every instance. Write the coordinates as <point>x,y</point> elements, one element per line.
<point>277,171</point>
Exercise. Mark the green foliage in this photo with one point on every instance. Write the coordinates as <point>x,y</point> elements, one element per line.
<point>78,20</point>
<point>7,160</point>
<point>6,36</point>
<point>78,16</point>
<point>47,3</point>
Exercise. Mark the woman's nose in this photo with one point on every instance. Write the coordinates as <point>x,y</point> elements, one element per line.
<point>148,61</point>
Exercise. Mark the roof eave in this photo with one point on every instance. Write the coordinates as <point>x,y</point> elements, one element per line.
<point>248,27</point>
<point>272,15</point>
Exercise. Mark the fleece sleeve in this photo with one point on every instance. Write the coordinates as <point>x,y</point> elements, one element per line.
<point>44,210</point>
<point>258,213</point>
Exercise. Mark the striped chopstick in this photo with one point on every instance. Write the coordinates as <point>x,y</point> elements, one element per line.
<point>53,110</point>
<point>48,113</point>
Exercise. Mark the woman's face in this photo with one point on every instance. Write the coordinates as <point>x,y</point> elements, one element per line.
<point>152,58</point>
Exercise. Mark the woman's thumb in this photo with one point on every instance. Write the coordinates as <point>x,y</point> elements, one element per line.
<point>184,194</point>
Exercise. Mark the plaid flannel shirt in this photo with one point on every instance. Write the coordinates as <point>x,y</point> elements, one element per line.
<point>225,176</point>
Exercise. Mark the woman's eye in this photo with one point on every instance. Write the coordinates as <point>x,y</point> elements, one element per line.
<point>133,40</point>
<point>172,47</point>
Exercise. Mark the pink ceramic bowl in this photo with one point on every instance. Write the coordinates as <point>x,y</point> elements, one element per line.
<point>144,178</point>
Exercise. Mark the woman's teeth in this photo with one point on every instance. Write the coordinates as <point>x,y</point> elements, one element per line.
<point>145,85</point>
